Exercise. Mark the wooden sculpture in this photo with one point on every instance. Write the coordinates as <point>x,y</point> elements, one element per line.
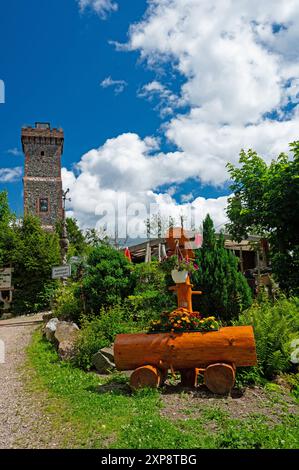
<point>215,354</point>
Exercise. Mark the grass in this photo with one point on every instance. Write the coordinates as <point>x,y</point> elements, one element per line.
<point>89,411</point>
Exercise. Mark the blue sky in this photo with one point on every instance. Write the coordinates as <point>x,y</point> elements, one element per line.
<point>160,117</point>
<point>53,59</point>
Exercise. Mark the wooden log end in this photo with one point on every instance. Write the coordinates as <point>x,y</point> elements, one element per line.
<point>220,378</point>
<point>145,376</point>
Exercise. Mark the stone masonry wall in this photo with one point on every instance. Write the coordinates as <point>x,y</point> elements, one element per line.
<point>42,178</point>
<point>38,165</point>
<point>34,190</point>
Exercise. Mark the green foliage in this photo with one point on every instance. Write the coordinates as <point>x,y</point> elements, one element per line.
<point>100,331</point>
<point>90,340</point>
<point>275,325</point>
<point>8,239</point>
<point>94,237</point>
<point>225,290</point>
<point>151,295</point>
<point>32,252</point>
<point>266,202</point>
<point>66,303</point>
<point>36,252</point>
<point>293,380</point>
<point>107,279</point>
<point>75,236</point>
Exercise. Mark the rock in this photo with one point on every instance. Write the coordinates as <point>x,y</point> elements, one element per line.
<point>50,329</point>
<point>66,350</point>
<point>102,363</point>
<point>109,353</point>
<point>66,331</point>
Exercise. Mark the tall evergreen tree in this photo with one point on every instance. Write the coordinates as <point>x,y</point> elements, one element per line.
<point>31,252</point>
<point>34,255</point>
<point>225,290</point>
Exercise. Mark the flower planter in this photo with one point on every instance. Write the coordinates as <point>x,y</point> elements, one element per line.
<point>217,353</point>
<point>156,332</point>
<point>179,277</point>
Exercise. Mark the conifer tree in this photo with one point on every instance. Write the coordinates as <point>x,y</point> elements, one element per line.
<point>225,289</point>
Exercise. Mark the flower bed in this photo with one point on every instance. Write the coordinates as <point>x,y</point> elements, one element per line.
<point>181,320</point>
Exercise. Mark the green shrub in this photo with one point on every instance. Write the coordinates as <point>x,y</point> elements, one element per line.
<point>293,380</point>
<point>275,325</point>
<point>67,304</point>
<point>151,295</point>
<point>90,340</point>
<point>100,331</point>
<point>107,279</point>
<point>33,256</point>
<point>142,308</point>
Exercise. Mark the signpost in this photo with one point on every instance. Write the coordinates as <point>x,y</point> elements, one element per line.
<point>5,278</point>
<point>60,272</point>
<point>6,290</point>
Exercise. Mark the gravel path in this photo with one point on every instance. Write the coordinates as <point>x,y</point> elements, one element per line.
<point>23,423</point>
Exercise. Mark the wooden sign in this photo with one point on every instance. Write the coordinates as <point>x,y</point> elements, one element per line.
<point>5,278</point>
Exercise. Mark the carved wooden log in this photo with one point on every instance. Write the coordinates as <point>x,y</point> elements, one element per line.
<point>220,378</point>
<point>179,351</point>
<point>146,376</point>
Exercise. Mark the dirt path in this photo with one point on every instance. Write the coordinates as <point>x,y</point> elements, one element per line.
<point>23,423</point>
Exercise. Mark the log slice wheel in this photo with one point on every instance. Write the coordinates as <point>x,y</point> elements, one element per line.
<point>220,378</point>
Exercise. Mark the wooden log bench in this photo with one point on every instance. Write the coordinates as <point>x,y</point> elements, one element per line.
<point>216,354</point>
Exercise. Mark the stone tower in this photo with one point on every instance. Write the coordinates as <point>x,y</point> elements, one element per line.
<point>43,148</point>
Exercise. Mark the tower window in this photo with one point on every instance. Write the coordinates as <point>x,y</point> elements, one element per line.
<point>42,153</point>
<point>44,205</point>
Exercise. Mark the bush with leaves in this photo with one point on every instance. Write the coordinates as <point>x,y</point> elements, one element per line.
<point>107,279</point>
<point>265,201</point>
<point>225,290</point>
<point>151,295</point>
<point>100,331</point>
<point>67,304</point>
<point>275,326</point>
<point>75,236</point>
<point>36,253</point>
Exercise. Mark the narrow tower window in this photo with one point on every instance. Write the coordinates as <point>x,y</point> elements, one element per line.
<point>42,153</point>
<point>44,204</point>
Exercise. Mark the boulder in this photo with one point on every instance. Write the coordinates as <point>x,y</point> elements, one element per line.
<point>66,331</point>
<point>108,352</point>
<point>66,350</point>
<point>50,329</point>
<point>102,363</point>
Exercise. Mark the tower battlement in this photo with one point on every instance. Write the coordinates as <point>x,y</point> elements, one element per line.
<point>42,133</point>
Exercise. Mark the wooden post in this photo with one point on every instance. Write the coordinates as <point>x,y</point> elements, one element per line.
<point>189,377</point>
<point>184,293</point>
<point>241,260</point>
<point>258,269</point>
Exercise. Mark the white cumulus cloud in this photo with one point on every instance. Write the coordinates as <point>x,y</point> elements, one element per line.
<point>15,152</point>
<point>124,175</point>
<point>117,85</point>
<point>10,175</point>
<point>240,61</point>
<point>101,7</point>
<point>238,68</point>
